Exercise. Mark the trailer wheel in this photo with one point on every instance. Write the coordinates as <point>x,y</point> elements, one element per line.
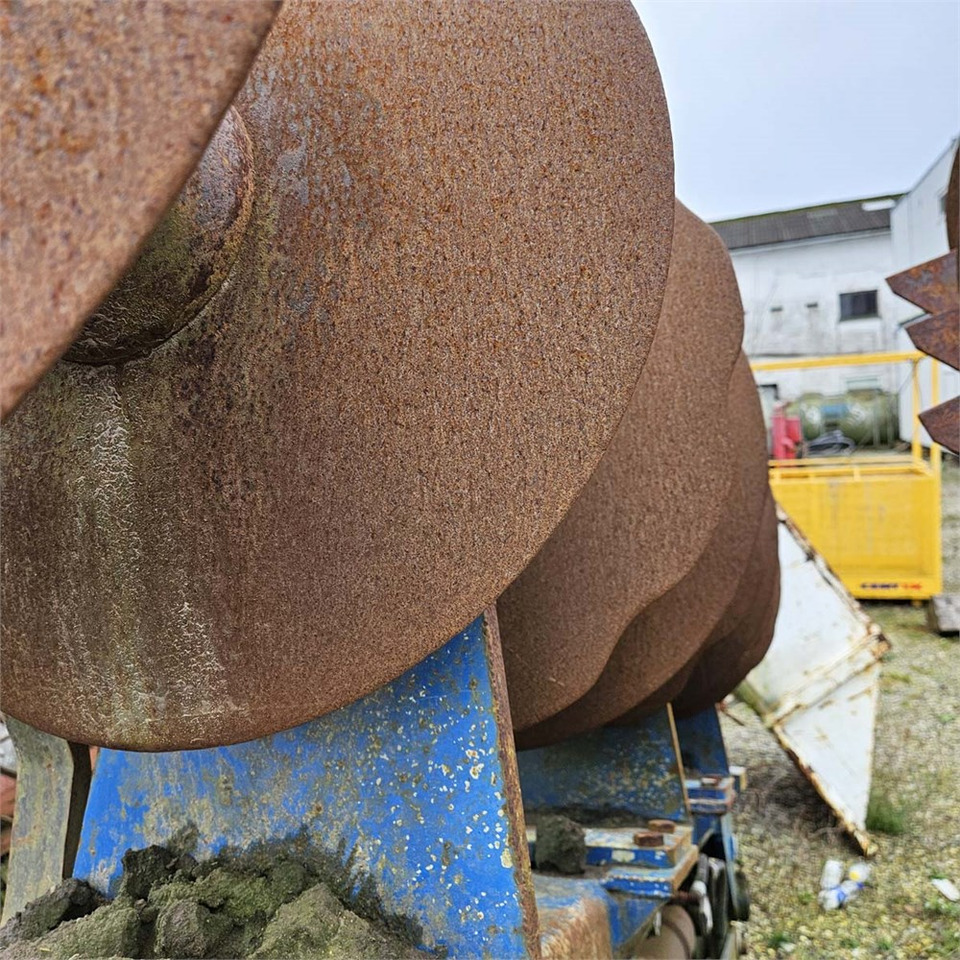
<point>740,897</point>
<point>720,902</point>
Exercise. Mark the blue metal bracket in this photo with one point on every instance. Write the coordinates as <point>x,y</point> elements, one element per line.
<point>616,772</point>
<point>701,744</point>
<point>634,770</point>
<point>713,786</point>
<point>412,789</point>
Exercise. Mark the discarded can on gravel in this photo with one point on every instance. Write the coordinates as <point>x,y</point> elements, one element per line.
<point>836,897</point>
<point>832,875</point>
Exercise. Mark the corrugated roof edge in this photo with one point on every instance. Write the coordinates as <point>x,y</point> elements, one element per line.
<point>817,206</point>
<point>804,223</point>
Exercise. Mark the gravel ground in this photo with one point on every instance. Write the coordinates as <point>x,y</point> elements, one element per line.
<point>787,832</point>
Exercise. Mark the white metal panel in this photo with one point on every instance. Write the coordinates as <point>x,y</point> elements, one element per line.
<point>817,686</point>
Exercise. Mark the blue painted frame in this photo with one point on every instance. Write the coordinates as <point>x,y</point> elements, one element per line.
<point>412,788</point>
<point>628,769</point>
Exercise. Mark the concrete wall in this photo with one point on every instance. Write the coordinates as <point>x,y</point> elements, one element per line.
<point>918,222</point>
<point>791,298</point>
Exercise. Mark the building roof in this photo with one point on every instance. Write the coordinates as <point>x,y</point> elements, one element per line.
<point>826,220</point>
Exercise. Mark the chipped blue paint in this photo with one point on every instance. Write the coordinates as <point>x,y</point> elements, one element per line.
<point>406,787</point>
<point>628,769</point>
<point>701,745</point>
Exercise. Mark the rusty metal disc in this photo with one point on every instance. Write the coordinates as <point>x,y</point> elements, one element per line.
<point>651,505</point>
<point>674,627</point>
<point>105,108</point>
<point>748,605</point>
<point>441,302</point>
<point>934,286</point>
<point>763,559</point>
<point>720,669</point>
<point>942,422</point>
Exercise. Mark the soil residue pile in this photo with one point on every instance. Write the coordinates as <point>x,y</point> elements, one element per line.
<point>169,905</point>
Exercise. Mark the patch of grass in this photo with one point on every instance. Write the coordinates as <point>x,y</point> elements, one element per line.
<point>946,718</point>
<point>805,897</point>
<point>777,939</point>
<point>937,874</point>
<point>895,677</point>
<point>885,815</point>
<point>849,943</point>
<point>884,945</point>
<point>950,944</point>
<point>941,908</point>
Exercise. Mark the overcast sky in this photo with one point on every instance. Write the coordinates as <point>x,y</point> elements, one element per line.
<point>783,104</point>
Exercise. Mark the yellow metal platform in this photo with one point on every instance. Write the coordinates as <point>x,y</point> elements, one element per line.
<point>876,519</point>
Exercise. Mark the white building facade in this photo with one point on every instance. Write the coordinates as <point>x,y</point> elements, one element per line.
<point>813,282</point>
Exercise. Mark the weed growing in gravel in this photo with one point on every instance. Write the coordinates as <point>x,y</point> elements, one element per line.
<point>893,676</point>
<point>942,908</point>
<point>886,816</point>
<point>777,939</point>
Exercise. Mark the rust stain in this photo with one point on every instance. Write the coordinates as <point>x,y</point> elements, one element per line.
<point>93,155</point>
<point>376,395</point>
<point>654,501</point>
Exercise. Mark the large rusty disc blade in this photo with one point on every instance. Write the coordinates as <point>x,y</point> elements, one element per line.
<point>758,581</point>
<point>763,559</point>
<point>939,336</point>
<point>932,286</point>
<point>942,422</point>
<point>674,627</point>
<point>106,108</point>
<point>448,284</point>
<point>720,669</point>
<point>653,502</point>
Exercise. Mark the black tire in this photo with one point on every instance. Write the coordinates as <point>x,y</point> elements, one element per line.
<point>740,903</point>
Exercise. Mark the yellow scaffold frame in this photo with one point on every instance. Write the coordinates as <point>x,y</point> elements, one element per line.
<point>875,519</point>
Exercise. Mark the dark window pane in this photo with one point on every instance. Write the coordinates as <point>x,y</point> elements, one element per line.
<point>860,304</point>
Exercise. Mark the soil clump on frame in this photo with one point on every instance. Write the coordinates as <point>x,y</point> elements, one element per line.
<point>169,905</point>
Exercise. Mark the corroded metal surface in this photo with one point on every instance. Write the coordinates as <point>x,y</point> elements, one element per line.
<point>106,108</point>
<point>653,502</point>
<point>942,422</point>
<point>184,261</point>
<point>932,286</point>
<point>754,585</point>
<point>439,308</point>
<point>935,287</point>
<point>939,336</point>
<point>673,628</point>
<point>406,800</point>
<point>720,668</point>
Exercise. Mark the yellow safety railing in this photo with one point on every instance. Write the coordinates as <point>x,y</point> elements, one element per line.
<point>875,518</point>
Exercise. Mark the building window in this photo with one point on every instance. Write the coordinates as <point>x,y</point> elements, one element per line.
<point>853,306</point>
